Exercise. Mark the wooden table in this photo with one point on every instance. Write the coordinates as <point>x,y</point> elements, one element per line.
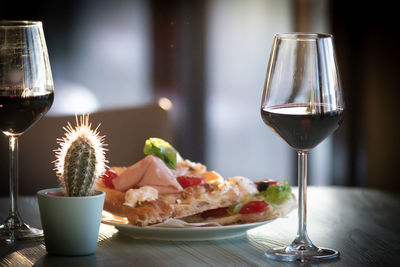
<point>364,225</point>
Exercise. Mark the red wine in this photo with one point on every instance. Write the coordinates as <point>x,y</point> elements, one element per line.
<point>303,126</point>
<point>18,113</point>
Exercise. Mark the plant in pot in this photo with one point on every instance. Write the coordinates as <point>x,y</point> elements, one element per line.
<point>71,214</point>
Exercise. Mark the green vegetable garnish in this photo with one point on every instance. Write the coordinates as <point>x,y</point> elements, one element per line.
<point>276,193</point>
<point>273,195</point>
<point>162,149</point>
<point>234,209</point>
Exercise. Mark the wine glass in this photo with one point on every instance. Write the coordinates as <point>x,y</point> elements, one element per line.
<point>26,94</point>
<point>302,102</point>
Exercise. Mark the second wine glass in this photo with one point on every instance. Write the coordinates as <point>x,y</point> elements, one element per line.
<point>302,102</point>
<point>26,94</point>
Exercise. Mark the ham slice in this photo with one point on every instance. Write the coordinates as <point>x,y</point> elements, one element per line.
<point>150,171</point>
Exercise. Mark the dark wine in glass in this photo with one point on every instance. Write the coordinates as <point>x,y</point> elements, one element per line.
<point>302,126</point>
<point>26,94</point>
<point>302,102</point>
<point>18,114</point>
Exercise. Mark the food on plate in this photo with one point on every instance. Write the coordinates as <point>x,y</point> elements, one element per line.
<point>163,185</point>
<point>272,200</point>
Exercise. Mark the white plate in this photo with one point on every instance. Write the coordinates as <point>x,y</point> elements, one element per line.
<point>185,234</point>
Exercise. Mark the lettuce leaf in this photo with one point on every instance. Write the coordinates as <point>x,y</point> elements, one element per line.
<point>235,209</point>
<point>162,149</point>
<point>276,193</point>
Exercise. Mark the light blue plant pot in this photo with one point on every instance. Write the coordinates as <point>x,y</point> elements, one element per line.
<point>70,224</point>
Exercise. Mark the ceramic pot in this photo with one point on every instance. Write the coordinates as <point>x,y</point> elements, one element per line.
<point>70,224</point>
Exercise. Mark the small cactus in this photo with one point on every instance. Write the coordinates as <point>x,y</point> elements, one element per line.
<point>80,159</point>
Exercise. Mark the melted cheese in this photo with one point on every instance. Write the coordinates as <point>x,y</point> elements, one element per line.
<point>245,184</point>
<point>134,197</point>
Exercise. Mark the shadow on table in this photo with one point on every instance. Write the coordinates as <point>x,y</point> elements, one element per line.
<point>59,261</point>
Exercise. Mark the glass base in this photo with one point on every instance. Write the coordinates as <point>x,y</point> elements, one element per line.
<point>302,254</point>
<point>11,233</point>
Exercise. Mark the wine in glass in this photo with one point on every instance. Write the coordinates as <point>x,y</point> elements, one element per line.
<point>302,102</point>
<point>26,94</point>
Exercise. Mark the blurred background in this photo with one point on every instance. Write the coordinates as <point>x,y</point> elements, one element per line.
<point>205,62</point>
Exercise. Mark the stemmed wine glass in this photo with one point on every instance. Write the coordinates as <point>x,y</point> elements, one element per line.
<point>302,102</point>
<point>26,94</point>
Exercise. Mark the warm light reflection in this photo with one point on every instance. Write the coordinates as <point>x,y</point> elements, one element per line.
<point>23,257</point>
<point>165,103</point>
<point>106,216</point>
<point>106,232</point>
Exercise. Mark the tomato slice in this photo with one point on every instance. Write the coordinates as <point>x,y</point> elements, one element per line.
<point>107,178</point>
<point>187,181</point>
<point>215,212</point>
<point>255,206</point>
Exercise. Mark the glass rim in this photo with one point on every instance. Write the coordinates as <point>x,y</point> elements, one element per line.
<point>19,23</point>
<point>307,36</point>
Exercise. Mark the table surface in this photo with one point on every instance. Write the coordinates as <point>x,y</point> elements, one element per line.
<point>364,225</point>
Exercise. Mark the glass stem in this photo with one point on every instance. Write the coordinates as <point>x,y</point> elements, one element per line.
<point>13,217</point>
<point>302,241</point>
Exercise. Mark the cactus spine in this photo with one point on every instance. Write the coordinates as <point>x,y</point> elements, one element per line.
<point>80,158</point>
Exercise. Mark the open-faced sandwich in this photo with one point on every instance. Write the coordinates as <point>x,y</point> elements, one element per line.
<point>163,185</point>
